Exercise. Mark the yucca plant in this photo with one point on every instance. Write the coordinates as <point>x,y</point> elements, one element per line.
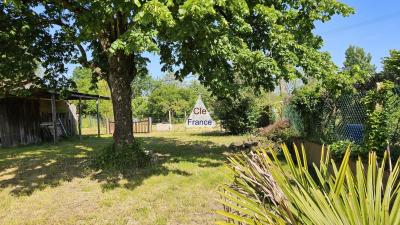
<point>267,190</point>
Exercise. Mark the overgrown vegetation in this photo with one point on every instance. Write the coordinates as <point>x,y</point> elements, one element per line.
<point>338,148</point>
<point>238,116</point>
<point>247,111</point>
<point>174,96</point>
<point>383,110</point>
<point>356,105</point>
<point>268,191</point>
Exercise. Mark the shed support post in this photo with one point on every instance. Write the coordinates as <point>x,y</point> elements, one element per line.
<point>98,117</point>
<point>54,117</point>
<point>149,124</point>
<point>80,119</point>
<point>107,126</point>
<point>170,120</point>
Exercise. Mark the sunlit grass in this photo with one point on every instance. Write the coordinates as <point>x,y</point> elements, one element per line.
<point>49,184</point>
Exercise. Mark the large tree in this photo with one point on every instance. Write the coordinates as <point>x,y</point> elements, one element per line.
<point>226,43</point>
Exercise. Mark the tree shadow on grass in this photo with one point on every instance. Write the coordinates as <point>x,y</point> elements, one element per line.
<point>215,133</point>
<point>203,154</point>
<point>31,168</point>
<point>36,167</point>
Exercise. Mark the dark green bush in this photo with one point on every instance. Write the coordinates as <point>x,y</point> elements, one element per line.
<point>127,157</point>
<point>266,116</point>
<point>247,111</point>
<point>237,116</point>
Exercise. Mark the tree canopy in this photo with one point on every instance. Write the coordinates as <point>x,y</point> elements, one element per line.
<point>226,43</point>
<point>27,45</point>
<point>357,58</point>
<point>391,66</point>
<point>166,94</point>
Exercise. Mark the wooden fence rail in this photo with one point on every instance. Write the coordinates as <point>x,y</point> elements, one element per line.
<point>142,126</point>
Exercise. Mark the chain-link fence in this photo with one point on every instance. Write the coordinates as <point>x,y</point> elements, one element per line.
<point>89,125</point>
<point>344,118</point>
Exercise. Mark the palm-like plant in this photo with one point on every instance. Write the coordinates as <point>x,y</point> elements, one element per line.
<point>268,191</point>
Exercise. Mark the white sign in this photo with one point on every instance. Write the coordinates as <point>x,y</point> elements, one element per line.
<point>200,117</point>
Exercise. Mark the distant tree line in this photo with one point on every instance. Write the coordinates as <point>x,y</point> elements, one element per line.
<point>150,97</point>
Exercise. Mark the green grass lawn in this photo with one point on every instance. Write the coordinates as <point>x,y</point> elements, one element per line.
<point>49,184</point>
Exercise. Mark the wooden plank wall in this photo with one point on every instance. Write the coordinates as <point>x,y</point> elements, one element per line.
<point>19,121</point>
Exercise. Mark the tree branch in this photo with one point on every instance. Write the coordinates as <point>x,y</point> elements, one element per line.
<point>83,59</point>
<point>85,63</point>
<point>220,10</point>
<point>72,6</point>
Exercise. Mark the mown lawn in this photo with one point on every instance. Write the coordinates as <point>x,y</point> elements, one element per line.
<point>49,184</point>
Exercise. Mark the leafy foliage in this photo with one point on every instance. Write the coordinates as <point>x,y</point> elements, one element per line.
<point>27,47</point>
<point>237,116</point>
<point>248,43</point>
<point>228,44</point>
<point>143,86</point>
<point>338,148</point>
<point>319,103</point>
<point>357,58</point>
<point>177,98</point>
<point>383,106</point>
<point>391,67</point>
<point>84,83</point>
<point>311,102</point>
<point>170,97</point>
<point>324,113</point>
<point>280,132</point>
<point>268,191</point>
<point>245,112</point>
<point>140,107</point>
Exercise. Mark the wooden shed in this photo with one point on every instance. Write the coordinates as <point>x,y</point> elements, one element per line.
<point>41,116</point>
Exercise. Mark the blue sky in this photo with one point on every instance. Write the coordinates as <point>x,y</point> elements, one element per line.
<point>375,27</point>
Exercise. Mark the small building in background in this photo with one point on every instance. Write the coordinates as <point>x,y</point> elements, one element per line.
<point>30,119</point>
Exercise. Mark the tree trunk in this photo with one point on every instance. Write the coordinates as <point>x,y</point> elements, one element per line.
<point>119,81</point>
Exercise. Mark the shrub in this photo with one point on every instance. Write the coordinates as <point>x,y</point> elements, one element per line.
<point>246,111</point>
<point>127,157</point>
<point>312,102</point>
<point>279,132</point>
<point>267,116</point>
<point>338,148</point>
<point>237,116</point>
<point>382,110</point>
<point>268,191</point>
